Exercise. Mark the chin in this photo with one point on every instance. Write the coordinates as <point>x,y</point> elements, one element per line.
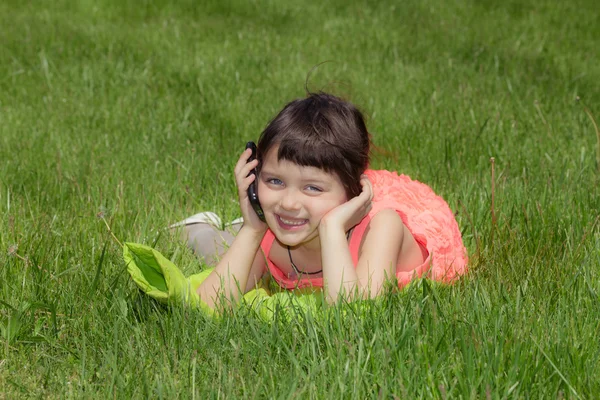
<point>293,240</point>
<point>289,240</point>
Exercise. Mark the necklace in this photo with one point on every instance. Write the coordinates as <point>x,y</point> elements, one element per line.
<point>297,271</point>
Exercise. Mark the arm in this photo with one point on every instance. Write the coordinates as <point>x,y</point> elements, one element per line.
<point>242,265</point>
<point>339,276</point>
<point>379,254</point>
<point>237,272</point>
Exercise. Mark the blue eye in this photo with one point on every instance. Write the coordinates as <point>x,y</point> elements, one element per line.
<point>314,189</point>
<point>274,181</point>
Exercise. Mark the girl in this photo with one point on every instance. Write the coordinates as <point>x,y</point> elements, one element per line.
<point>329,221</point>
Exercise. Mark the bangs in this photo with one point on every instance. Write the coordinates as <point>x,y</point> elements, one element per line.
<point>313,150</point>
<point>310,152</point>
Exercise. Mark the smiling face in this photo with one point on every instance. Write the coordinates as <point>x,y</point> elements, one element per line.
<point>321,131</point>
<point>295,198</point>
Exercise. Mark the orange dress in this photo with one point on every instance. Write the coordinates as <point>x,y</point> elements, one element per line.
<point>426,215</point>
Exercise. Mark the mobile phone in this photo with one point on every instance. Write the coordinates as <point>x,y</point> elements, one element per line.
<point>253,188</point>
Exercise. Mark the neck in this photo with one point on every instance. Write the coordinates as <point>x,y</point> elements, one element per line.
<point>312,246</point>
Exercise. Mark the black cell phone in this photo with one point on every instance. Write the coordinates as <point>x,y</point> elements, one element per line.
<point>253,188</point>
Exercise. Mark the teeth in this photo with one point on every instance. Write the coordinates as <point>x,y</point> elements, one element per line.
<point>288,222</point>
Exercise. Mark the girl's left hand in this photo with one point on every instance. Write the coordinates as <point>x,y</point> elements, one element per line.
<point>350,213</point>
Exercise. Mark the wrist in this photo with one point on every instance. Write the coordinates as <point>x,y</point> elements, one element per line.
<point>329,227</point>
<point>253,232</point>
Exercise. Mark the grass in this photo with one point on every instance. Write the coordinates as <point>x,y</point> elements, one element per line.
<point>136,112</point>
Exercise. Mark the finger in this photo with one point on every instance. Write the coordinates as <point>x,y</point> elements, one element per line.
<point>361,204</point>
<point>243,160</point>
<point>249,167</point>
<point>245,169</point>
<point>367,186</point>
<point>246,181</point>
<point>367,193</point>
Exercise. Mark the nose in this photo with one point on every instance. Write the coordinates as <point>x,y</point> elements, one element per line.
<point>290,200</point>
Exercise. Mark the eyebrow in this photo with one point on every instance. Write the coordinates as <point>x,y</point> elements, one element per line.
<point>309,180</point>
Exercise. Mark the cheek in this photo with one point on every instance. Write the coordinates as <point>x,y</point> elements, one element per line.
<point>265,195</point>
<point>323,207</point>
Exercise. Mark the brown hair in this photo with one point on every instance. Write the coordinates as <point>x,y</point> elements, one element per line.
<point>321,131</point>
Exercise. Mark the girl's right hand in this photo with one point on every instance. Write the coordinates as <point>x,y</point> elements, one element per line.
<point>243,181</point>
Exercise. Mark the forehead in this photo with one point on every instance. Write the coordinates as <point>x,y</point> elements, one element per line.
<point>271,165</point>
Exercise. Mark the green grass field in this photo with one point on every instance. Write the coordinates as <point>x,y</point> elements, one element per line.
<point>137,111</point>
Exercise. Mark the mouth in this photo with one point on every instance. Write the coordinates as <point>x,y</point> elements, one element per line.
<point>290,223</point>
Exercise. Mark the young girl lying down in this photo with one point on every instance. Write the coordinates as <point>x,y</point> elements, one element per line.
<point>329,221</point>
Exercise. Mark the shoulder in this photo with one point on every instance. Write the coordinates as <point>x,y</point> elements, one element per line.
<point>385,221</point>
<point>384,230</point>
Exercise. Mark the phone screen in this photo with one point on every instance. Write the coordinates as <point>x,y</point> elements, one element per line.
<point>253,188</point>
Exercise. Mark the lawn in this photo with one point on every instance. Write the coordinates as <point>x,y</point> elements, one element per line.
<point>131,114</point>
